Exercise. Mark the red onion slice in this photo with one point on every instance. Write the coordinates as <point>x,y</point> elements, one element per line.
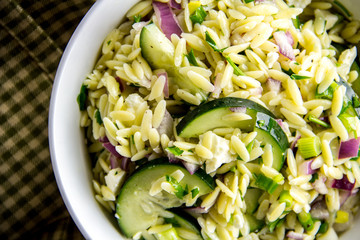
<point>111,149</point>
<point>290,38</point>
<point>103,139</point>
<point>349,148</point>
<point>114,162</point>
<point>191,167</point>
<point>285,47</point>
<point>343,184</point>
<point>295,235</point>
<point>121,83</point>
<point>167,19</point>
<point>174,4</point>
<point>305,168</point>
<point>273,85</point>
<point>196,210</point>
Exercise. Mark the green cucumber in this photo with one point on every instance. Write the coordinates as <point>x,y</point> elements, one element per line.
<point>209,115</point>
<point>183,220</point>
<point>159,52</point>
<point>251,199</point>
<point>137,210</point>
<point>269,131</point>
<point>254,224</point>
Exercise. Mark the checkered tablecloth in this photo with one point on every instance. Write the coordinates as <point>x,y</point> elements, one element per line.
<point>33,35</point>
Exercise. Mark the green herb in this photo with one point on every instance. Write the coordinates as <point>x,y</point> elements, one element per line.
<point>288,72</point>
<point>212,43</point>
<point>108,42</point>
<point>298,77</point>
<point>313,119</point>
<point>81,98</point>
<point>309,146</point>
<point>191,58</point>
<point>132,139</point>
<point>296,63</point>
<point>137,18</point>
<point>265,183</point>
<point>248,1</point>
<point>98,117</point>
<point>296,22</point>
<point>180,192</point>
<point>306,220</point>
<point>328,93</point>
<point>250,146</point>
<point>198,16</point>
<point>194,192</point>
<point>237,70</point>
<point>175,150</point>
<point>314,177</point>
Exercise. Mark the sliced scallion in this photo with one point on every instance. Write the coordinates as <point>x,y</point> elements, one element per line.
<point>286,198</point>
<point>212,43</point>
<point>199,15</point>
<point>306,220</point>
<point>313,119</point>
<point>265,183</point>
<point>309,146</point>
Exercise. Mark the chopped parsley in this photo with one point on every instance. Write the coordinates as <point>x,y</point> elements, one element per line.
<point>175,150</point>
<point>98,117</point>
<point>81,98</point>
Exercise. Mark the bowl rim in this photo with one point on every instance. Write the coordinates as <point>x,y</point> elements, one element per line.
<point>113,11</point>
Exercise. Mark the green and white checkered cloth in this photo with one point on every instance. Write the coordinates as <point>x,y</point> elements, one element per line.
<point>33,35</point>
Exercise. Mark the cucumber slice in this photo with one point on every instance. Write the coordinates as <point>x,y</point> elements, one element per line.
<point>269,131</point>
<point>254,223</point>
<point>159,52</point>
<point>252,199</point>
<point>137,210</point>
<point>182,220</point>
<point>209,116</point>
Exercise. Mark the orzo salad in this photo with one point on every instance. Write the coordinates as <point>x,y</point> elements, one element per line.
<point>227,119</point>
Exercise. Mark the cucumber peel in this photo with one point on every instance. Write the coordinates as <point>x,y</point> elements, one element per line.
<point>137,210</point>
<point>159,52</point>
<point>209,116</point>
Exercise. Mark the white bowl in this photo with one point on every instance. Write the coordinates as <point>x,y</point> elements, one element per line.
<point>68,153</point>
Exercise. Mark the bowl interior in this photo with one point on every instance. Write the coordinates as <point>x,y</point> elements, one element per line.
<point>69,157</point>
